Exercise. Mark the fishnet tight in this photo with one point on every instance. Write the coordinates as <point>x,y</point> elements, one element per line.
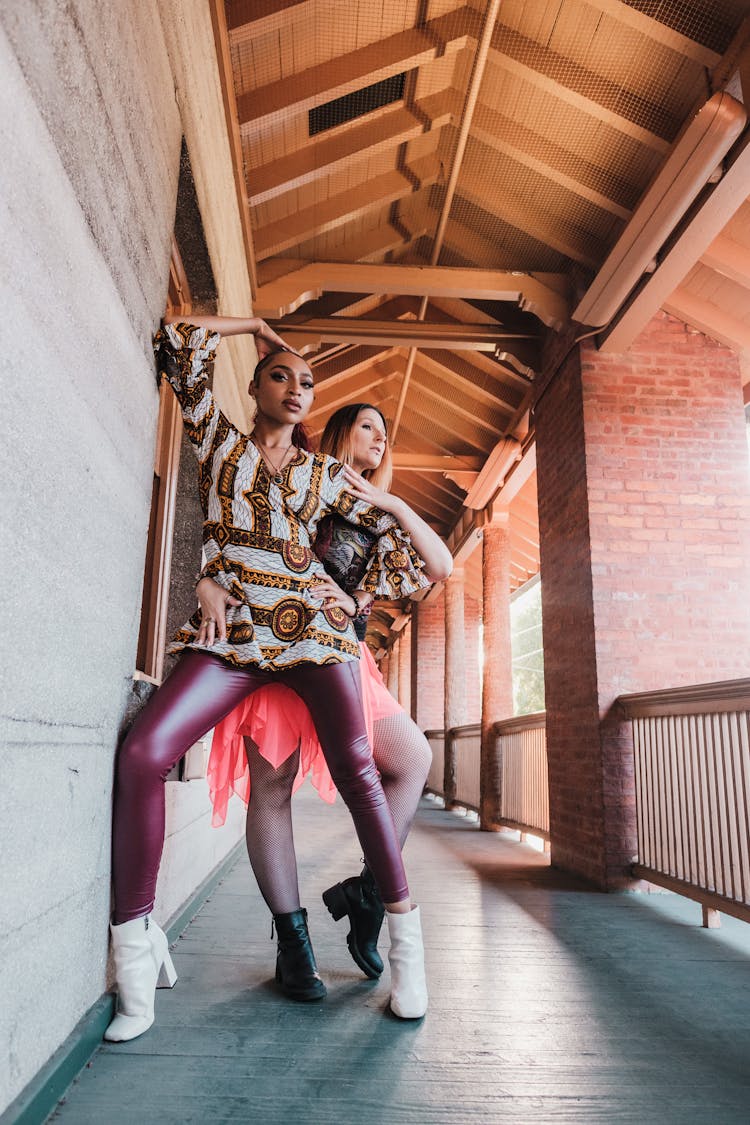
<point>402,755</point>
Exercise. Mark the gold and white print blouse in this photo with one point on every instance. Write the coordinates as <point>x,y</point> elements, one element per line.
<point>257,533</point>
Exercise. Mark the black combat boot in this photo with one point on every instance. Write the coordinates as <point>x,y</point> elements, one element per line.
<point>360,899</point>
<point>296,971</point>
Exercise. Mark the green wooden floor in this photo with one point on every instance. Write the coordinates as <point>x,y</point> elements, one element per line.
<point>549,1003</point>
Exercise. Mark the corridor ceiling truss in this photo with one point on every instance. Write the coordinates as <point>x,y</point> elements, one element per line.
<point>507,143</point>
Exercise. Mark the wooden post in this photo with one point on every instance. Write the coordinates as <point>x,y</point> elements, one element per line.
<point>455,692</point>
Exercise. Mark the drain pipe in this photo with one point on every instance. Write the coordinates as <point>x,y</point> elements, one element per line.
<point>480,61</point>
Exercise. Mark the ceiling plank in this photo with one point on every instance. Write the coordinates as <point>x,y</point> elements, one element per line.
<point>347,73</point>
<point>308,222</point>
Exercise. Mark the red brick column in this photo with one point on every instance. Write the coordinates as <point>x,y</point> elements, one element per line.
<point>455,671</point>
<point>428,663</point>
<point>644,519</point>
<point>497,682</point>
<point>404,669</point>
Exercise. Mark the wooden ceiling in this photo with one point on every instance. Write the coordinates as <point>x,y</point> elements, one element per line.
<point>420,250</point>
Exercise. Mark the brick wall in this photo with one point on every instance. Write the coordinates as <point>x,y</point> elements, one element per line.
<point>472,620</point>
<point>645,552</point>
<point>428,659</point>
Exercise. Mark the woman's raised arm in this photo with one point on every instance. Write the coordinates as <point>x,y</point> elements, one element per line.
<point>438,562</point>
<point>266,340</point>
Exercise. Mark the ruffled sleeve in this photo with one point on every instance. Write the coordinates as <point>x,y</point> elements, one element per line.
<point>185,357</point>
<point>394,569</point>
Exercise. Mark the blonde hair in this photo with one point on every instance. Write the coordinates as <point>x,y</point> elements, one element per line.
<point>337,442</point>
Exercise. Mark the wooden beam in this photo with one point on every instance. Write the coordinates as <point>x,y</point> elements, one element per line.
<point>400,333</point>
<point>729,258</point>
<point>709,318</point>
<point>381,132</point>
<point>439,431</point>
<point>429,463</point>
<point>287,293</point>
<point>247,19</point>
<point>480,432</point>
<point>423,498</point>
<point>695,236</point>
<point>652,28</point>
<point>587,90</point>
<point>299,226</point>
<point>501,394</point>
<point>374,244</point>
<point>479,186</point>
<point>407,50</point>
<point>376,386</point>
<point>595,184</point>
<point>480,404</point>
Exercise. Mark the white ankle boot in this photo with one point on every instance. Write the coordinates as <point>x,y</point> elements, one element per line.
<point>142,964</point>
<point>406,958</point>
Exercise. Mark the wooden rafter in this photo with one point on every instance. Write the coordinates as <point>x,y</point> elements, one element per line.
<point>407,50</point>
<point>287,293</point>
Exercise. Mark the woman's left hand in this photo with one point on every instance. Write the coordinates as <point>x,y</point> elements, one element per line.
<point>364,490</point>
<point>331,594</point>
<point>267,341</point>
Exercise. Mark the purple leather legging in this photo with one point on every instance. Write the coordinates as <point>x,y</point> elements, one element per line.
<point>203,689</point>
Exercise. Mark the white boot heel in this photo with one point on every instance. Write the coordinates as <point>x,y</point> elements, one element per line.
<point>406,958</point>
<point>142,963</point>
<point>167,974</point>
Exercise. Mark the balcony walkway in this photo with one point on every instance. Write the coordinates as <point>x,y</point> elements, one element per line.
<point>549,1003</point>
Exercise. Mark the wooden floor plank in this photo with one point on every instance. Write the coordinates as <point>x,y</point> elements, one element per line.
<point>548,1003</point>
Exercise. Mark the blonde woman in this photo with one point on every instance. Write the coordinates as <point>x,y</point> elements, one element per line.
<point>264,749</point>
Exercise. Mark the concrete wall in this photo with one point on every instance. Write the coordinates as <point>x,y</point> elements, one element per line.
<point>94,105</point>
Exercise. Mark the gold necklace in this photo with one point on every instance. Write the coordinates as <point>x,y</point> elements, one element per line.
<point>277,474</point>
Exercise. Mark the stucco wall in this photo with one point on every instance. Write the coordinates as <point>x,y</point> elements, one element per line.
<point>91,126</point>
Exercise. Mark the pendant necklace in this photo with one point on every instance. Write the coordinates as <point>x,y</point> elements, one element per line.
<point>277,476</point>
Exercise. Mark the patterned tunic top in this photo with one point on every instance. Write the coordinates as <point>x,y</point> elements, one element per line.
<point>257,533</point>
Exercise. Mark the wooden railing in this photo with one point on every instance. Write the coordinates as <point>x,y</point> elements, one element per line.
<point>522,751</point>
<point>692,777</point>
<point>524,792</point>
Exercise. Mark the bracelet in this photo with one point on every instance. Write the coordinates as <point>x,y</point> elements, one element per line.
<point>357,607</point>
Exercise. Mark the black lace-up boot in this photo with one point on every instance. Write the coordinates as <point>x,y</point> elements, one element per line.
<point>360,899</point>
<point>296,971</point>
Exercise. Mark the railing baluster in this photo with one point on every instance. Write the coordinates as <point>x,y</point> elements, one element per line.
<point>692,779</point>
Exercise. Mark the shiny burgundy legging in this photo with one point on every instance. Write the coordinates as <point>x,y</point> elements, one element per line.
<point>201,690</point>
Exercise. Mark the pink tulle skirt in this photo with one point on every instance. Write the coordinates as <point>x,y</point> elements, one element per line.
<point>277,721</point>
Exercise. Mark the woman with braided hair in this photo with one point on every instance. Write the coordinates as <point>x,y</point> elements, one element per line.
<point>263,496</point>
